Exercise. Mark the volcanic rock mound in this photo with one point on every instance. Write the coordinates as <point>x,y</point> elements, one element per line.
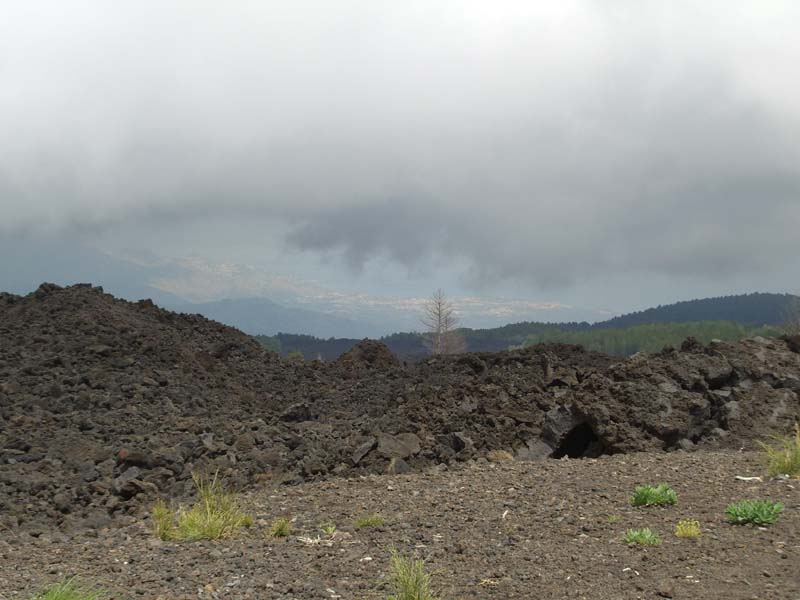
<point>368,354</point>
<point>105,404</point>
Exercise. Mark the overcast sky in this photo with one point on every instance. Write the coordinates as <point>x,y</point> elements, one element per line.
<point>601,155</point>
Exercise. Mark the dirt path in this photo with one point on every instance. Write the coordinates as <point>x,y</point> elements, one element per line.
<point>540,529</point>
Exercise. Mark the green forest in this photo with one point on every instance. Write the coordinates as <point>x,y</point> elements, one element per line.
<point>724,318</point>
<point>649,338</point>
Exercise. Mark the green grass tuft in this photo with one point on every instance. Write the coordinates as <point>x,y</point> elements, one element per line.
<point>70,590</point>
<point>328,528</point>
<point>783,455</point>
<point>757,512</point>
<point>280,528</point>
<point>215,515</point>
<point>645,537</point>
<point>660,495</point>
<point>409,580</point>
<point>368,521</point>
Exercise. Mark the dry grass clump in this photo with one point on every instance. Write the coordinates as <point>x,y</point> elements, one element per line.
<point>687,529</point>
<point>368,521</point>
<point>409,580</point>
<point>215,515</point>
<point>70,590</point>
<point>783,455</point>
<point>280,528</point>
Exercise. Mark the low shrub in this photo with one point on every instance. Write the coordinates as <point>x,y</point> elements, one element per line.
<point>687,529</point>
<point>70,590</point>
<point>783,455</point>
<point>757,512</point>
<point>645,537</point>
<point>215,515</point>
<point>409,580</point>
<point>660,495</point>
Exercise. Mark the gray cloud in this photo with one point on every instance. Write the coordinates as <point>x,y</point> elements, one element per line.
<point>544,143</point>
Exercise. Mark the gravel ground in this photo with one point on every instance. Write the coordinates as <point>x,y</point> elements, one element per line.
<point>538,529</point>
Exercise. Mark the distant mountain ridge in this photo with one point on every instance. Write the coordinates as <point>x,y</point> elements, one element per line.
<point>259,316</point>
<point>750,311</point>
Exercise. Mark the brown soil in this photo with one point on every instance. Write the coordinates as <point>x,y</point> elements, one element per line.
<point>534,529</point>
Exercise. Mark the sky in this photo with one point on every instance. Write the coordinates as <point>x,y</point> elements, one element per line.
<point>553,160</point>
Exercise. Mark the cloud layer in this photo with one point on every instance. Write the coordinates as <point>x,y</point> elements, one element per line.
<point>544,143</point>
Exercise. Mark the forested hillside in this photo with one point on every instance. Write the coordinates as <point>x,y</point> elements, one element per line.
<point>652,337</point>
<point>751,309</point>
<point>725,318</point>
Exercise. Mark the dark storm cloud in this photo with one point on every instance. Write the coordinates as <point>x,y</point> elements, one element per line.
<point>549,144</point>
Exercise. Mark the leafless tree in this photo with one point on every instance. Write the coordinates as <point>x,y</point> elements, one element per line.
<point>441,324</point>
<point>791,317</point>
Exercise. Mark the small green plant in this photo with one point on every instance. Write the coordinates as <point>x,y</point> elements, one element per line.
<point>645,537</point>
<point>280,528</point>
<point>613,519</point>
<point>70,590</point>
<point>328,528</point>
<point>783,455</point>
<point>660,495</point>
<point>408,579</point>
<point>215,515</point>
<point>687,529</point>
<point>757,512</point>
<point>367,521</point>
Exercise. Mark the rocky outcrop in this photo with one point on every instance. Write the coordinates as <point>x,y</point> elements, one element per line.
<point>105,404</point>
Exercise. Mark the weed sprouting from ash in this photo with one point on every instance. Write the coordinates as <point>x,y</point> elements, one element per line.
<point>659,495</point>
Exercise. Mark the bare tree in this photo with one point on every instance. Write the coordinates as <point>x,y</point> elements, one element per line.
<point>441,323</point>
<point>791,317</point>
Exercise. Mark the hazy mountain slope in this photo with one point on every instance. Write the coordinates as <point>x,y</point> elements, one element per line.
<point>752,309</point>
<point>260,316</point>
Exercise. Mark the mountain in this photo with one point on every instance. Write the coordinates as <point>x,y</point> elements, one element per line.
<point>750,309</point>
<point>259,316</point>
<point>728,317</point>
<point>30,260</point>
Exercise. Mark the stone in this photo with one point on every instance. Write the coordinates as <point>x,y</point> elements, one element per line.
<point>534,449</point>
<point>731,413</point>
<point>364,449</point>
<point>397,466</point>
<point>63,502</point>
<point>398,446</point>
<point>207,440</point>
<point>666,589</point>
<point>296,412</point>
<point>498,456</point>
<point>462,443</point>
<point>244,441</point>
